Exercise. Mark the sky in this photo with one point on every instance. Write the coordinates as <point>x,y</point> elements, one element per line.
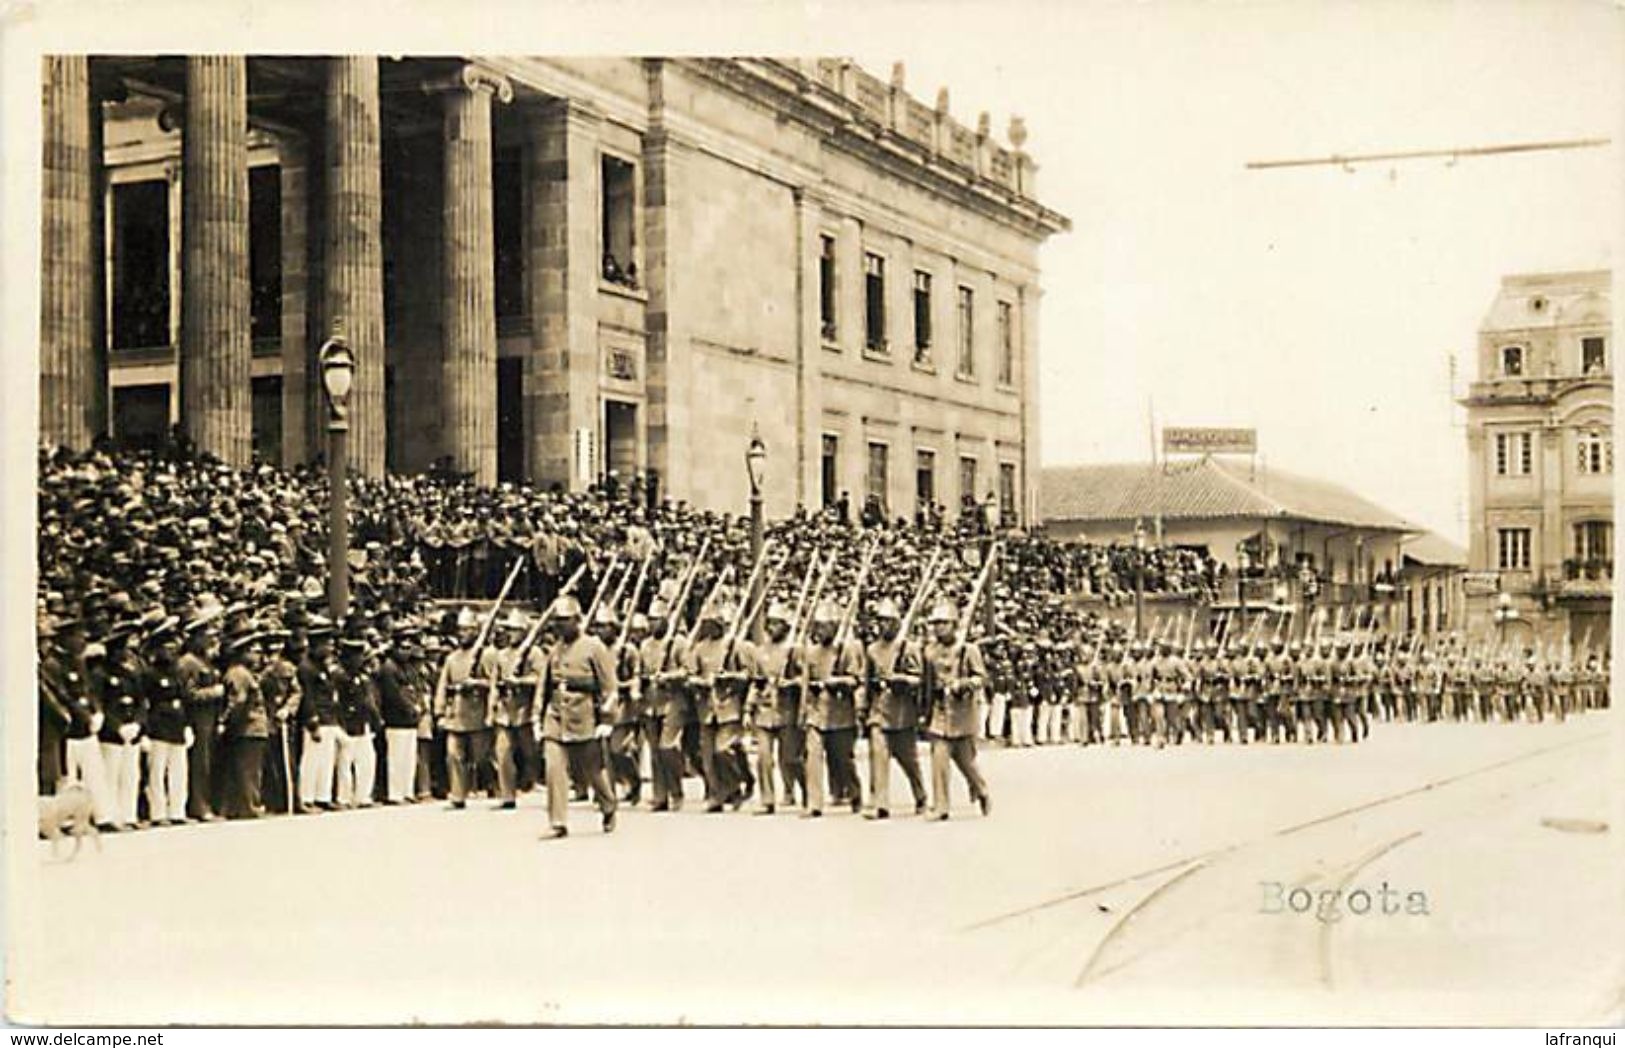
<point>1321,307</point>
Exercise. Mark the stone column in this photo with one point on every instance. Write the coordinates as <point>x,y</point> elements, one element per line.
<point>562,396</point>
<point>215,355</point>
<point>1029,300</point>
<point>353,289</point>
<point>468,282</point>
<point>69,258</point>
<point>294,172</point>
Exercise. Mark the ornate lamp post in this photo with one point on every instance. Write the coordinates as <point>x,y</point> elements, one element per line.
<point>1139,579</point>
<point>337,364</point>
<point>1504,613</point>
<point>1243,562</point>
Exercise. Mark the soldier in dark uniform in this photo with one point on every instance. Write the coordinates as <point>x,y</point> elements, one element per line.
<point>892,711</point>
<point>55,718</point>
<point>82,754</point>
<point>168,728</point>
<point>319,721</point>
<point>461,703</point>
<point>119,677</point>
<point>952,676</point>
<point>402,699</point>
<point>359,722</point>
<point>579,694</point>
<point>205,698</point>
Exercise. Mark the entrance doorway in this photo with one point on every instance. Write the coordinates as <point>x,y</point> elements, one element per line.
<point>620,442</point>
<point>510,419</point>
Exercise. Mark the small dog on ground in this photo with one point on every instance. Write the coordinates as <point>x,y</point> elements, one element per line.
<point>68,812</point>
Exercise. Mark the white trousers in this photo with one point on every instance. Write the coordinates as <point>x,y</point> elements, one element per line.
<point>167,783</point>
<point>84,764</point>
<point>995,719</point>
<point>358,768</point>
<point>1021,726</point>
<point>122,762</point>
<point>401,758</point>
<point>316,765</point>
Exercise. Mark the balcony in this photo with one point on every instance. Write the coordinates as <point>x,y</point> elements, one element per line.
<point>1526,390</point>
<point>1588,577</point>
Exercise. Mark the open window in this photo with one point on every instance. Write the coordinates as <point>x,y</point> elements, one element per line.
<point>620,266</point>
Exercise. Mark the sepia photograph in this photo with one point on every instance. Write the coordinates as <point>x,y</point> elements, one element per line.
<point>812,514</point>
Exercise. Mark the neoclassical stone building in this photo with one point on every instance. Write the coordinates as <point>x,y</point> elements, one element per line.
<point>1540,444</point>
<point>549,269</point>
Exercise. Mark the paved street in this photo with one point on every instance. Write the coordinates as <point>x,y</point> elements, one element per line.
<point>1105,883</point>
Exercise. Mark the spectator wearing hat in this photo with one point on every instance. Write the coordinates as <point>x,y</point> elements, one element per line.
<point>247,723</point>
<point>279,684</point>
<point>318,720</point>
<point>55,717</point>
<point>169,729</point>
<point>954,672</point>
<point>461,702</point>
<point>120,680</point>
<point>359,722</point>
<point>892,713</point>
<point>578,695</point>
<point>205,697</point>
<point>81,750</point>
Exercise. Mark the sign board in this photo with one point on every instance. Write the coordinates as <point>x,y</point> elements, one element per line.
<point>1480,583</point>
<point>1197,440</point>
<point>586,456</point>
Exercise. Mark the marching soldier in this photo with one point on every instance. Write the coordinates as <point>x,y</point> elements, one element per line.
<point>514,673</point>
<point>461,700</point>
<point>775,713</point>
<point>578,695</point>
<point>664,654</point>
<point>719,675</point>
<point>1281,676</point>
<point>830,712</point>
<point>952,676</point>
<point>625,743</point>
<point>892,712</point>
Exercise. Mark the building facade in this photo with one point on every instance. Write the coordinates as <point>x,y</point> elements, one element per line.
<point>549,269</point>
<point>1540,445</point>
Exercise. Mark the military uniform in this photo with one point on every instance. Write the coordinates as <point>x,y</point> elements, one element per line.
<point>892,715</point>
<point>952,676</point>
<point>168,729</point>
<point>830,713</point>
<point>247,722</point>
<point>579,693</point>
<point>119,678</point>
<point>462,701</point>
<point>665,698</point>
<point>319,719</point>
<point>205,697</point>
<point>775,717</point>
<point>359,722</point>
<point>720,670</point>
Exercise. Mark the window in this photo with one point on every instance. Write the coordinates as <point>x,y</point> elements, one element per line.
<point>141,265</point>
<point>1514,454</point>
<point>925,479</point>
<point>966,367</point>
<point>967,479</point>
<point>1594,540</point>
<point>1594,453</point>
<point>1007,494</point>
<point>1514,549</point>
<point>619,206</point>
<point>1512,361</point>
<point>922,317</point>
<point>508,222</point>
<point>878,474</point>
<point>874,302</point>
<point>1007,345</point>
<point>265,253</point>
<point>826,288</point>
<point>830,476</point>
<point>1593,355</point>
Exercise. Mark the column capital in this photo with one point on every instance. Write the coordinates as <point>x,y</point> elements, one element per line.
<point>472,77</point>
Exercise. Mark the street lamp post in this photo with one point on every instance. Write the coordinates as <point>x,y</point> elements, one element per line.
<point>1282,593</point>
<point>1243,562</point>
<point>337,364</point>
<point>1504,613</point>
<point>755,463</point>
<point>1139,579</point>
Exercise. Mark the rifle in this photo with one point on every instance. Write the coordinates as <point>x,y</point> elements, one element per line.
<point>740,615</point>
<point>632,607</point>
<point>546,616</point>
<point>803,614</point>
<point>766,590</point>
<point>844,632</point>
<point>710,598</point>
<point>598,590</point>
<point>962,635</point>
<point>927,581</point>
<point>677,607</point>
<point>491,616</point>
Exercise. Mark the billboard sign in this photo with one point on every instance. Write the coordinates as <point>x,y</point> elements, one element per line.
<point>1208,440</point>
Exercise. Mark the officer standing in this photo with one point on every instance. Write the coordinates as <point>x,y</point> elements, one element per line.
<point>120,679</point>
<point>205,696</point>
<point>247,723</point>
<point>359,723</point>
<point>319,719</point>
<point>892,716</point>
<point>402,698</point>
<point>168,729</point>
<point>578,697</point>
<point>953,674</point>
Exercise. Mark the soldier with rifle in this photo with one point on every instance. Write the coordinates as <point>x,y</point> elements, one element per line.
<point>833,661</point>
<point>578,695</point>
<point>775,711</point>
<point>892,713</point>
<point>953,674</point>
